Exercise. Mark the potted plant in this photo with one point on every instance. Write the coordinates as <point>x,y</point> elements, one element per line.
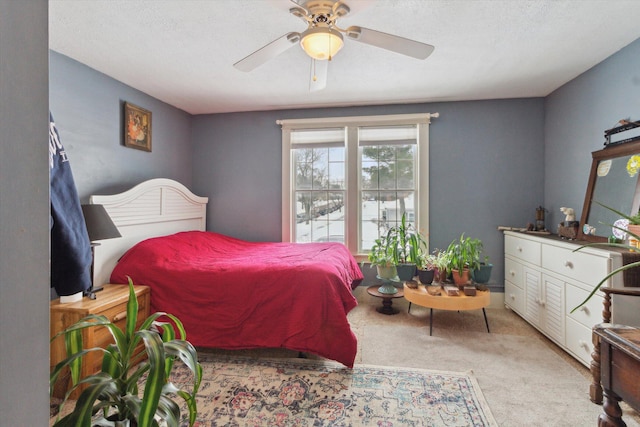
<point>482,274</point>
<point>442,262</point>
<point>407,245</point>
<point>112,398</point>
<point>433,266</point>
<point>381,256</point>
<point>465,256</point>
<point>426,268</point>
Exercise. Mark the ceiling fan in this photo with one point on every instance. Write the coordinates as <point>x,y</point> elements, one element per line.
<point>323,39</point>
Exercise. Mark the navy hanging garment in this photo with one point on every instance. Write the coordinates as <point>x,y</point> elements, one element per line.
<point>70,246</point>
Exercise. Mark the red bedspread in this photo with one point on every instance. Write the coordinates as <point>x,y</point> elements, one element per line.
<point>234,294</point>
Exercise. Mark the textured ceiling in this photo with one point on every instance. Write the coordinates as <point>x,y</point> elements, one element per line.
<point>182,51</point>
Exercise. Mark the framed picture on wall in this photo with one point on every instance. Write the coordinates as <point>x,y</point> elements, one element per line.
<point>137,127</point>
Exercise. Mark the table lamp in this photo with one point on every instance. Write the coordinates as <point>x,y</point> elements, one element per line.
<point>99,227</point>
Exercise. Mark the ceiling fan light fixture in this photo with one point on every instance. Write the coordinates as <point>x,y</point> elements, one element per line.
<point>321,43</point>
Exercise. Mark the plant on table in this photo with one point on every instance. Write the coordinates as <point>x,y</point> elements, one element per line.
<point>482,274</point>
<point>112,394</point>
<point>407,246</point>
<point>441,262</point>
<point>465,255</point>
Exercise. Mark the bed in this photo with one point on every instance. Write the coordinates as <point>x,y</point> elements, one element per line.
<point>229,293</point>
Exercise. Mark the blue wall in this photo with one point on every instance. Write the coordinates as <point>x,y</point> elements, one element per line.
<point>576,116</point>
<point>87,107</point>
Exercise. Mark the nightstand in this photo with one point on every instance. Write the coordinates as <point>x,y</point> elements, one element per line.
<point>110,302</point>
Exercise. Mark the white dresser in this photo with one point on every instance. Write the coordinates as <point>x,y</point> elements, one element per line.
<point>545,280</point>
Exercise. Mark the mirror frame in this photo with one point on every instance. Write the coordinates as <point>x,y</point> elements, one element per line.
<point>610,152</point>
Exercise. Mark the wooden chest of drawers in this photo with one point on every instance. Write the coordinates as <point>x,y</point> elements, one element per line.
<point>110,302</point>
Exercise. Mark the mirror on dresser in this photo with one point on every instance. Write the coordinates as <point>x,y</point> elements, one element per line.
<point>612,184</point>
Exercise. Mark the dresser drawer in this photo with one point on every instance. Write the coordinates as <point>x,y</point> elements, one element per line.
<point>513,272</point>
<point>578,341</point>
<point>588,314</point>
<point>526,250</point>
<point>580,266</point>
<point>514,297</point>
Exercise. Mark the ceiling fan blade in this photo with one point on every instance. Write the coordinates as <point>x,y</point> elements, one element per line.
<point>267,52</point>
<point>390,42</point>
<point>319,72</point>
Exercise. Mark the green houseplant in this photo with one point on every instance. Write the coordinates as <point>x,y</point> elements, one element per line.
<point>111,397</point>
<point>426,267</point>
<point>482,274</point>
<point>433,266</point>
<point>442,263</point>
<point>465,256</point>
<point>407,246</point>
<point>381,256</point>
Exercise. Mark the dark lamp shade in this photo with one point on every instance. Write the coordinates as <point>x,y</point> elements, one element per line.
<point>99,224</point>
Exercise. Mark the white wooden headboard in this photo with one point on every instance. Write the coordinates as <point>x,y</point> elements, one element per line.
<point>157,207</point>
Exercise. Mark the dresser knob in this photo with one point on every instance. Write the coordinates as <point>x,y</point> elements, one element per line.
<point>583,345</point>
<point>519,249</point>
<point>584,309</point>
<point>512,296</point>
<point>568,264</point>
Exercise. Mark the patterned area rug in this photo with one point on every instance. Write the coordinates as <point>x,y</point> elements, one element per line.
<point>299,392</point>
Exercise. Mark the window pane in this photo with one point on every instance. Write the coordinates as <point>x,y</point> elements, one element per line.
<point>303,206</point>
<point>405,152</point>
<point>327,224</point>
<point>336,154</point>
<point>303,168</point>
<point>386,175</point>
<point>405,174</point>
<point>367,178</point>
<point>320,169</point>
<point>336,176</point>
<point>370,217</point>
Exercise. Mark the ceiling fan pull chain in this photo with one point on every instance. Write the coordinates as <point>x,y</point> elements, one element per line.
<point>313,70</point>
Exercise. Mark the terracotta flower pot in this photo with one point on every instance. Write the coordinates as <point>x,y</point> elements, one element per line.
<point>461,279</point>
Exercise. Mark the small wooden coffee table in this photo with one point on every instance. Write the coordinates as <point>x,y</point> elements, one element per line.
<point>421,297</point>
<point>387,299</point>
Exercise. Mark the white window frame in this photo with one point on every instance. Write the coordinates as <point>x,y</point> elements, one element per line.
<point>422,120</point>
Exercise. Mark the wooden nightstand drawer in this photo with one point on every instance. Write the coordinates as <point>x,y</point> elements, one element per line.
<point>118,316</point>
<point>110,302</point>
